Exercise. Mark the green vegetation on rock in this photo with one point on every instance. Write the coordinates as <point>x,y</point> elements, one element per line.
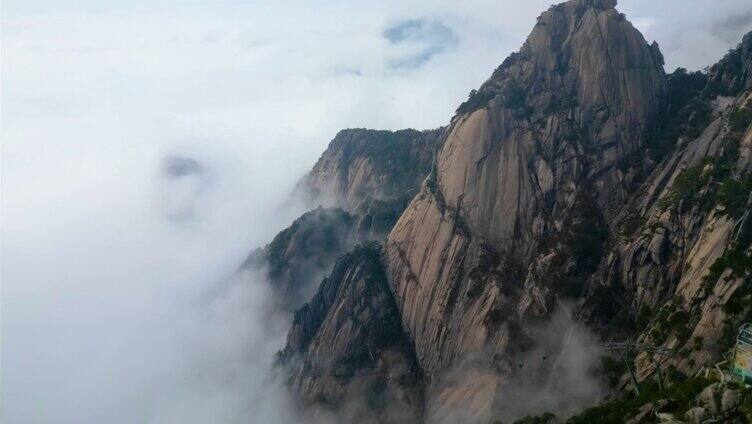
<point>739,119</point>
<point>476,100</point>
<point>682,392</point>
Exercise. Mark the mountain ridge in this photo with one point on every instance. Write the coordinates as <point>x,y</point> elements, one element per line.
<point>579,177</point>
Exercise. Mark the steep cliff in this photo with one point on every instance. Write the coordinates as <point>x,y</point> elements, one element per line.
<point>367,177</point>
<point>682,260</point>
<point>579,178</point>
<point>514,216</point>
<point>302,254</point>
<point>347,354</point>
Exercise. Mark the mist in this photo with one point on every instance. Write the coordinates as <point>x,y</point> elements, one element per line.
<point>558,375</point>
<point>121,300</point>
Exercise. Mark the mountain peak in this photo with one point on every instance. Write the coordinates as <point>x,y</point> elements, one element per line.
<point>598,4</point>
<point>580,4</point>
<point>543,192</point>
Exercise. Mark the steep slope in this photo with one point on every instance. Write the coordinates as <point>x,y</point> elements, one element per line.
<point>529,157</point>
<point>346,352</point>
<point>370,176</point>
<point>680,272</point>
<point>683,260</point>
<point>302,254</point>
<point>579,176</point>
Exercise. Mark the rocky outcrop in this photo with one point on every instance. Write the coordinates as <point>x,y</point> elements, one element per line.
<point>362,166</point>
<point>370,176</point>
<point>347,354</point>
<point>692,401</point>
<point>302,254</point>
<point>579,174</point>
<point>733,74</point>
<point>530,156</point>
<point>682,261</point>
<point>373,175</point>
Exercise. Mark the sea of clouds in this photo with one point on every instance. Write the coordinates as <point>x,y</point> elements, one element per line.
<point>120,301</point>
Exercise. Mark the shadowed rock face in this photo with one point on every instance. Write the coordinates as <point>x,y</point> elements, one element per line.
<point>370,176</point>
<point>578,174</point>
<point>733,75</point>
<point>302,254</point>
<point>682,262</point>
<point>347,352</point>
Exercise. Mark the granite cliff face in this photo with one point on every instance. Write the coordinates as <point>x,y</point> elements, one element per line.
<point>348,355</point>
<point>682,259</point>
<point>515,174</point>
<point>366,178</point>
<point>580,181</point>
<point>302,254</point>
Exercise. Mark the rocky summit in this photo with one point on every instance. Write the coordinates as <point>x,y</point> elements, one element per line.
<point>476,272</point>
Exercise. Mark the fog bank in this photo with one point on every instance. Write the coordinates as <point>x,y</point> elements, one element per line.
<point>148,147</point>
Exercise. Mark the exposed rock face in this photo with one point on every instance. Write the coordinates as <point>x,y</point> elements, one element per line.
<point>362,165</point>
<point>733,75</point>
<point>531,154</point>
<point>685,267</point>
<point>373,175</point>
<point>302,254</point>
<point>347,351</point>
<point>579,174</point>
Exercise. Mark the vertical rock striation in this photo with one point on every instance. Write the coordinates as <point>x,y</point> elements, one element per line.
<point>532,153</point>
<point>683,260</point>
<point>579,174</point>
<point>346,352</point>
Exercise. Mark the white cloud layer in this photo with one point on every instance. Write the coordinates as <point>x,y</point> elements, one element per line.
<point>105,315</point>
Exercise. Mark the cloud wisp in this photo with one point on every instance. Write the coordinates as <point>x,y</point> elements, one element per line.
<point>424,39</point>
<point>559,375</point>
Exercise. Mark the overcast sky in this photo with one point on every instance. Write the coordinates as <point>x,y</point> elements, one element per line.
<point>107,259</point>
